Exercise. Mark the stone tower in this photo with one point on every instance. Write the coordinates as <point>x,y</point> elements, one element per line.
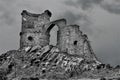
<point>34,29</point>
<point>74,42</point>
<point>69,39</point>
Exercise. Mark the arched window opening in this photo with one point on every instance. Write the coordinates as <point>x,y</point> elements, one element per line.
<point>50,27</point>
<point>53,35</point>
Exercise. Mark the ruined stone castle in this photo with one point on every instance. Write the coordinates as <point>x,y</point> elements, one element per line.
<point>36,32</point>
<point>71,58</point>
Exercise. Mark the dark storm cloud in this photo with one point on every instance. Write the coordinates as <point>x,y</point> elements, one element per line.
<point>112,8</point>
<point>73,18</point>
<point>84,4</point>
<point>81,19</point>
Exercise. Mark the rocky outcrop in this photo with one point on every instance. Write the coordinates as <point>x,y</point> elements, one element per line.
<point>72,57</point>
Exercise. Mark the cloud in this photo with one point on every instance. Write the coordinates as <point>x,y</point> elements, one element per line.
<point>84,4</point>
<point>78,18</point>
<point>73,18</point>
<point>113,7</point>
<point>83,20</point>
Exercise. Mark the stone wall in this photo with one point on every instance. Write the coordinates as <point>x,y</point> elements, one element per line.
<point>34,29</point>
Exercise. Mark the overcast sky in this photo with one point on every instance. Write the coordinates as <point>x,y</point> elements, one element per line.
<point>99,19</point>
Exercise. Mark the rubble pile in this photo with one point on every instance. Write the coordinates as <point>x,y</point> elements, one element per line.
<point>71,58</point>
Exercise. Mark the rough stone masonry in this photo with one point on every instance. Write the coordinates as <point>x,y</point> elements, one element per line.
<point>71,58</point>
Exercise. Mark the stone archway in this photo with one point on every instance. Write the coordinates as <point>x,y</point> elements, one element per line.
<point>53,35</point>
<point>53,29</point>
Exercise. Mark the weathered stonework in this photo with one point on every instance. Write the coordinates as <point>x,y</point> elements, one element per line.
<point>34,29</point>
<point>71,59</point>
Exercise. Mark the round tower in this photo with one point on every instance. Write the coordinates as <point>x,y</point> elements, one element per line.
<point>34,29</point>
